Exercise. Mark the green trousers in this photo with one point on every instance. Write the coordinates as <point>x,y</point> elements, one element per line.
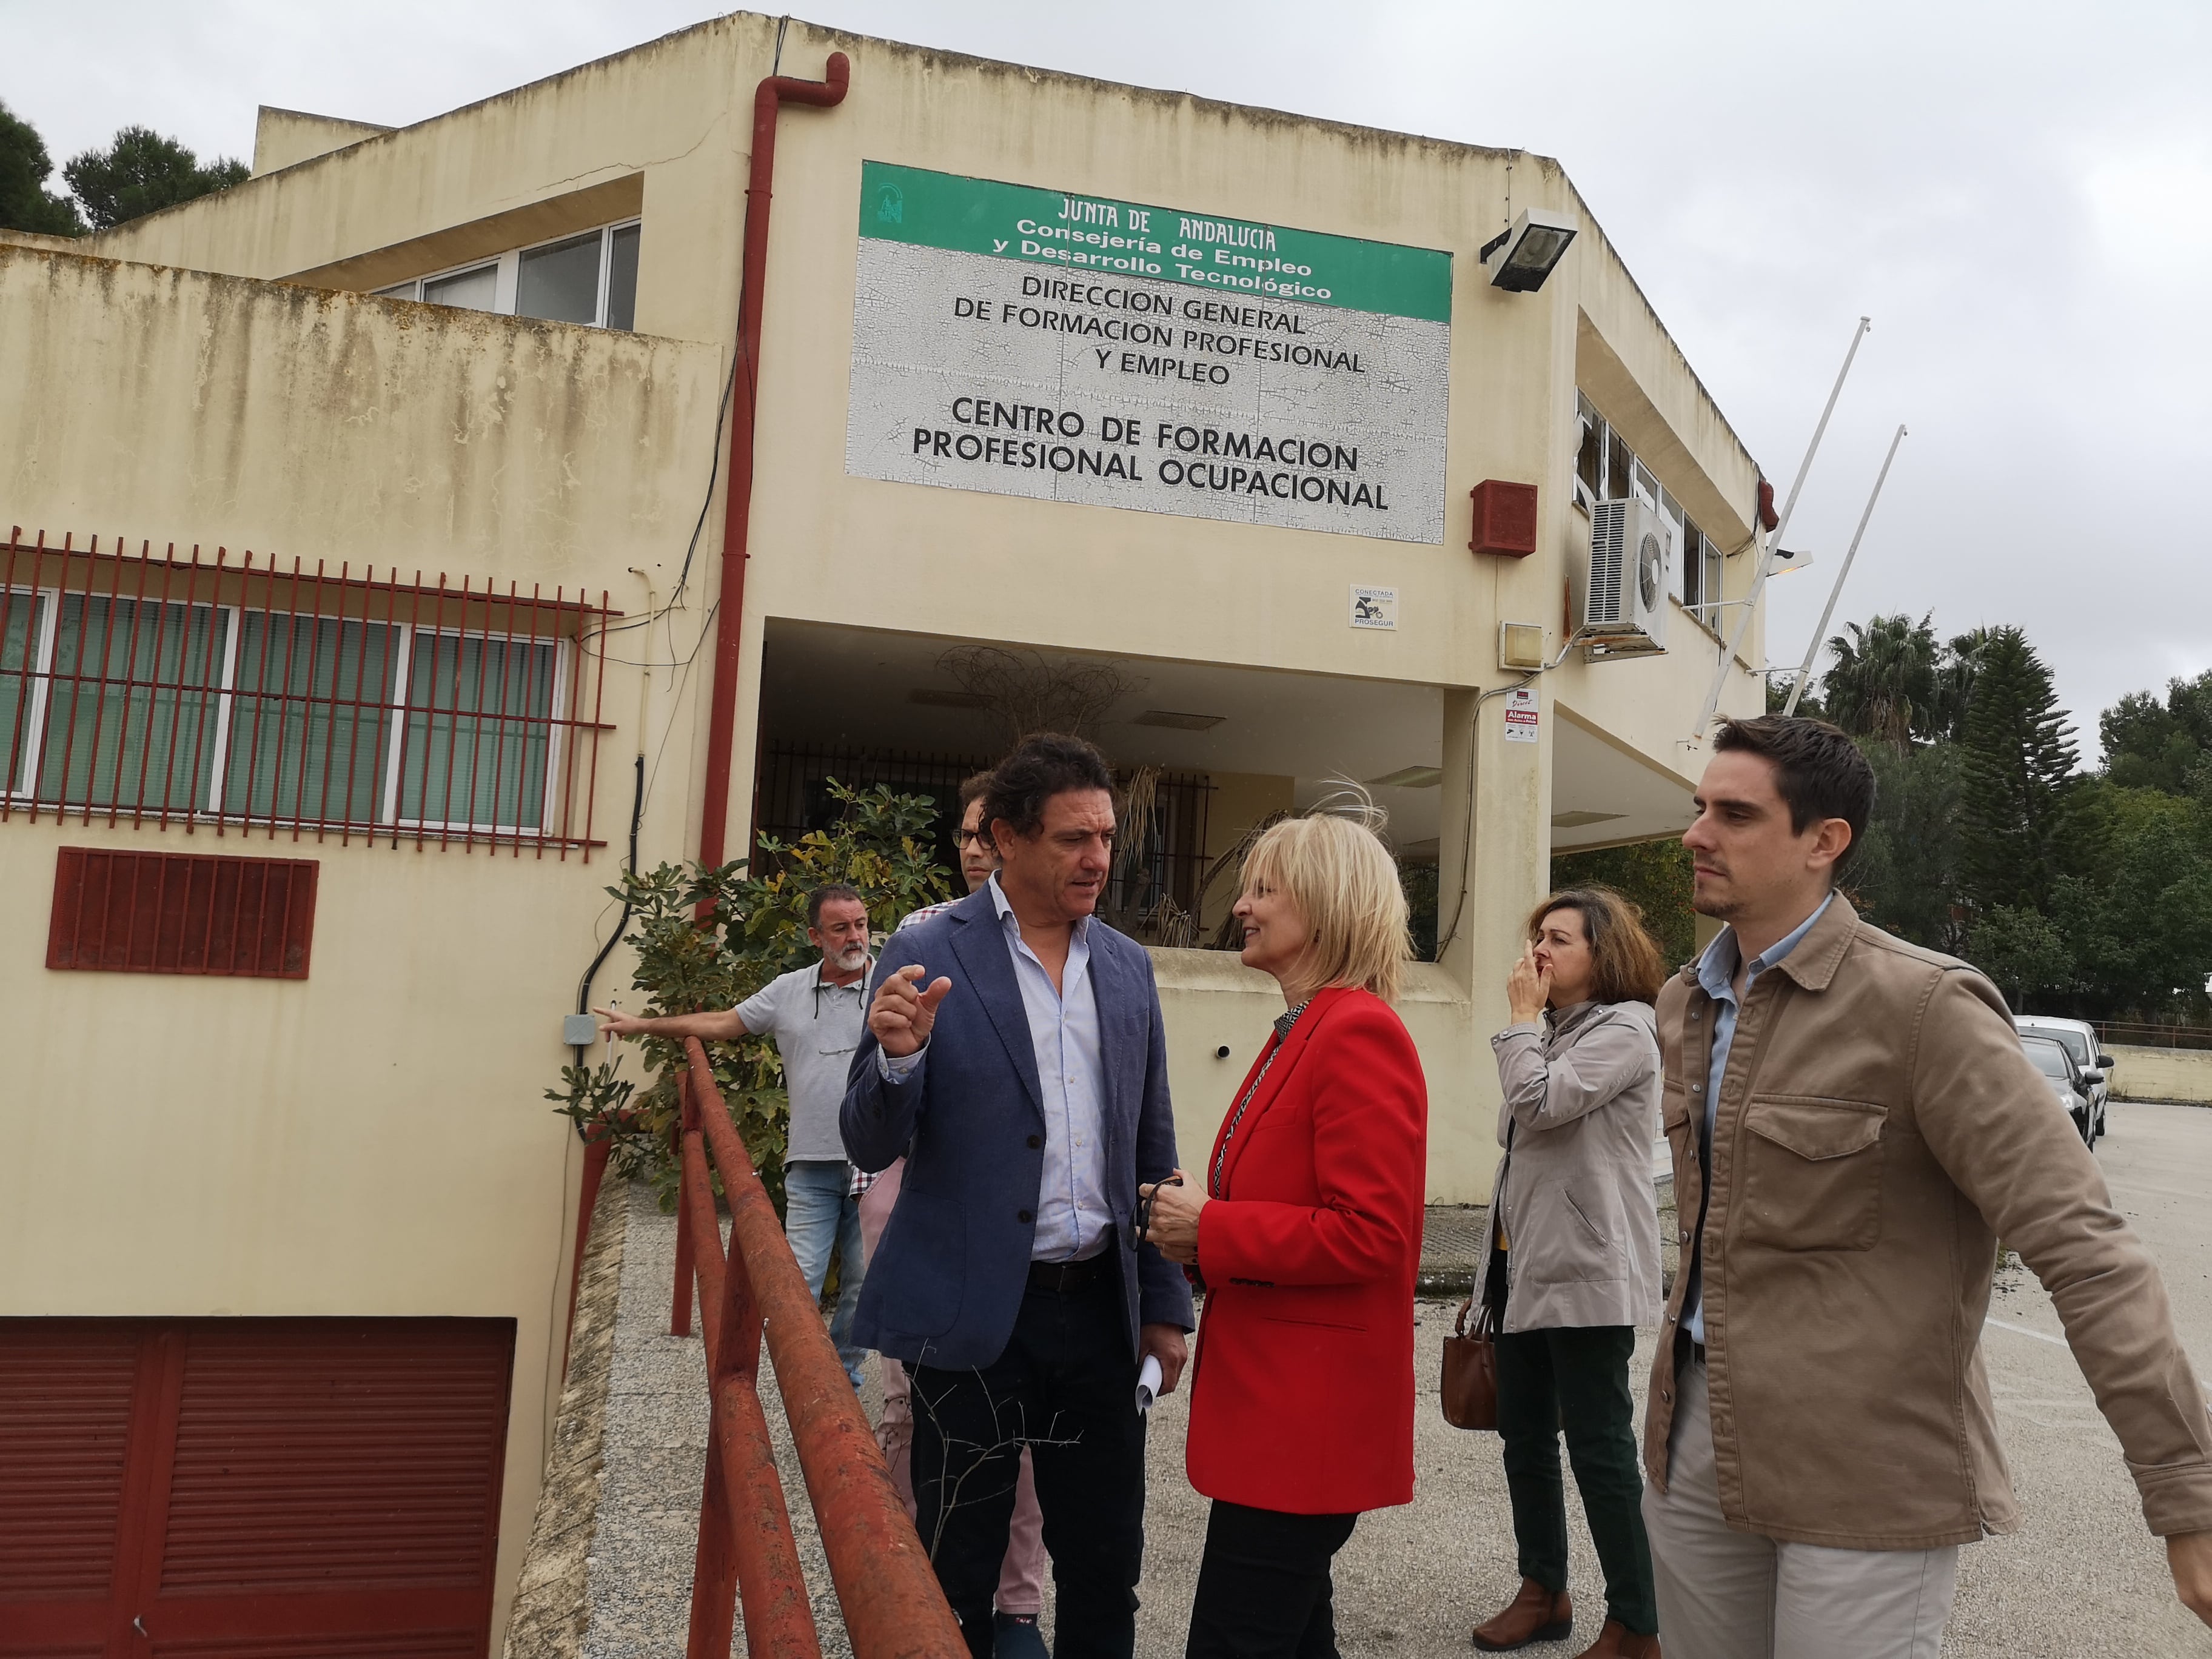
<point>1575,1380</point>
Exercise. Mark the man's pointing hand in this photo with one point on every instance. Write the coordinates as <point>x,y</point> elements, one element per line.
<point>902,1015</point>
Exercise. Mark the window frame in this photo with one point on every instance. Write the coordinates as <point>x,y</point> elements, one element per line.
<point>402,708</point>
<point>23,789</point>
<point>507,282</point>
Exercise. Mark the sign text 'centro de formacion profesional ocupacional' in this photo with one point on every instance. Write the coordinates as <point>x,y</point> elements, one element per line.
<point>1079,348</point>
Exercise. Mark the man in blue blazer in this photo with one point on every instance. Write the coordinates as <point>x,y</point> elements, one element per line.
<point>1015,1057</point>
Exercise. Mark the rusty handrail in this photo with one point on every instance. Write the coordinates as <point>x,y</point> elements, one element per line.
<point>745,1545</point>
<point>885,1585</point>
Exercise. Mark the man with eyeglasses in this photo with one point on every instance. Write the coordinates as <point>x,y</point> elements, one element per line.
<point>815,1016</point>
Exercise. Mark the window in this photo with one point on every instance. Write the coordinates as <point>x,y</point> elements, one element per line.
<point>590,279</point>
<point>250,696</point>
<point>1607,470</point>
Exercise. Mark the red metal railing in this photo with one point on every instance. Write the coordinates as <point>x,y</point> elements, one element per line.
<point>886,1587</point>
<point>237,696</point>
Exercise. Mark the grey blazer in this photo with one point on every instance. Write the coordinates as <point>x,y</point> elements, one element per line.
<point>1581,1218</point>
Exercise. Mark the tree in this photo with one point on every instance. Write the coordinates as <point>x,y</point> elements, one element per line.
<point>1904,877</point>
<point>2021,950</point>
<point>1655,875</point>
<point>142,172</point>
<point>1882,684</point>
<point>25,202</point>
<point>2140,925</point>
<point>1954,682</point>
<point>755,929</point>
<point>2023,823</point>
<point>2153,745</point>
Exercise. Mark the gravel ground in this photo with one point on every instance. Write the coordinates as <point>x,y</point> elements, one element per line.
<point>2080,1579</point>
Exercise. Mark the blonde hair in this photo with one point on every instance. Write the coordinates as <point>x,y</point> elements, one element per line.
<point>1333,865</point>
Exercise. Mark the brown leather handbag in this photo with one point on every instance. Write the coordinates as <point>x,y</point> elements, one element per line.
<point>1470,1378</point>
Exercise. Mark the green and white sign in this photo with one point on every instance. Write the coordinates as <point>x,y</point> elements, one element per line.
<point>1022,341</point>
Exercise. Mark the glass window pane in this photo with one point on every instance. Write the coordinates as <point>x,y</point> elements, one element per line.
<point>1694,563</point>
<point>1590,461</point>
<point>471,290</point>
<point>19,642</point>
<point>561,283</point>
<point>478,731</point>
<point>310,723</point>
<point>131,711</point>
<point>1712,584</point>
<point>622,278</point>
<point>1619,464</point>
<point>396,291</point>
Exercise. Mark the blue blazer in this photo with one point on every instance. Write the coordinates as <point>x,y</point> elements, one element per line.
<point>947,1279</point>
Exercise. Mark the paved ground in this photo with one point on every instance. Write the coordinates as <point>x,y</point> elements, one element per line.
<point>2081,1578</point>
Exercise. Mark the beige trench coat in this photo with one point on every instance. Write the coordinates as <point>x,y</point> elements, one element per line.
<point>1575,1192</point>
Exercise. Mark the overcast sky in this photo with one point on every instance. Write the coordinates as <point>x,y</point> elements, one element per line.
<point>2019,194</point>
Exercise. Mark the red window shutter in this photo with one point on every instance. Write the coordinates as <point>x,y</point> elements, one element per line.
<point>181,913</point>
<point>313,1454</point>
<point>252,1488</point>
<point>66,1398</point>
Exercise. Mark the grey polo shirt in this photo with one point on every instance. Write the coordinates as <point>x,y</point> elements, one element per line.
<point>816,1026</point>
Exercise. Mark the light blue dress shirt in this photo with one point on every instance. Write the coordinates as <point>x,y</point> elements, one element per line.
<point>1717,976</point>
<point>1073,1219</point>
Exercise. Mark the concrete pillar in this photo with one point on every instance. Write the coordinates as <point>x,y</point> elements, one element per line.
<point>1493,864</point>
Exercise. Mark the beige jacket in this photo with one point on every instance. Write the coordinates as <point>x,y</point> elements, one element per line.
<point>1879,1130</point>
<point>1575,1193</point>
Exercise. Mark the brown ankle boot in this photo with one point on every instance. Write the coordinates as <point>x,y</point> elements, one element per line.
<point>1534,1615</point>
<point>1617,1641</point>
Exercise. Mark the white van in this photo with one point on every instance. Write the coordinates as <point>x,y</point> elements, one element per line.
<point>2080,1039</point>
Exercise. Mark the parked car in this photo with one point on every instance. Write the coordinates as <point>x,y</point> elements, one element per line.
<point>2068,1081</point>
<point>2081,1040</point>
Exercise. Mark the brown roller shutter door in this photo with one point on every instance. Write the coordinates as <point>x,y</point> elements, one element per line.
<point>268,1489</point>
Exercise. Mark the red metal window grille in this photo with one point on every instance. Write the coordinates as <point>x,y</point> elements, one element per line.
<point>237,696</point>
<point>181,913</point>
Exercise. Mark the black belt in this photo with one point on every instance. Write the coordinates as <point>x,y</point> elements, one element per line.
<point>1073,1278</point>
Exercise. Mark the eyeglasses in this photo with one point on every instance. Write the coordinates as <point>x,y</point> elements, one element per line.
<point>962,837</point>
<point>1141,1222</point>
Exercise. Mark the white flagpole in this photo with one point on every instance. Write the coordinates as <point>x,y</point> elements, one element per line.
<point>1750,602</point>
<point>1805,670</point>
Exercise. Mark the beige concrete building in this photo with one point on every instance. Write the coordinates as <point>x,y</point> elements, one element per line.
<point>1197,401</point>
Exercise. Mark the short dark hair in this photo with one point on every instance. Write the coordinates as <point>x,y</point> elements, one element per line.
<point>822,895</point>
<point>1041,766</point>
<point>972,788</point>
<point>1819,771</point>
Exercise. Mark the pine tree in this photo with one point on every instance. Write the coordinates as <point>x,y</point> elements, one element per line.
<point>2023,822</point>
<point>25,202</point>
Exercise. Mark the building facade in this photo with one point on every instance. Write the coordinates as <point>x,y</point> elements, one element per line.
<point>1181,411</point>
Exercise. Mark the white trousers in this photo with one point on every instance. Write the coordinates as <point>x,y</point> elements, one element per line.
<point>1730,1594</point>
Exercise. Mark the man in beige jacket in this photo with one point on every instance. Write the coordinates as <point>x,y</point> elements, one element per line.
<point>1854,1126</point>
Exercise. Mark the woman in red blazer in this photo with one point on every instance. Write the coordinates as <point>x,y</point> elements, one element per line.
<point>1305,1230</point>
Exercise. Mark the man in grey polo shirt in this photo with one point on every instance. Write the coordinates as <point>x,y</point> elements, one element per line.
<point>815,1015</point>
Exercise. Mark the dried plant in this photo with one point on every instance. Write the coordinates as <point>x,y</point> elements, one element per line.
<point>1027,693</point>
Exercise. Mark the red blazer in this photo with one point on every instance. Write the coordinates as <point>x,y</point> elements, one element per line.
<point>1302,1396</point>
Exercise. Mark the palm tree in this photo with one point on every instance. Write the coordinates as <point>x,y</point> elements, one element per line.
<point>1954,681</point>
<point>1883,682</point>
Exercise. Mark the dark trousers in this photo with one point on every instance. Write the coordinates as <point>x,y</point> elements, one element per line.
<point>1263,1585</point>
<point>1065,1386</point>
<point>1575,1380</point>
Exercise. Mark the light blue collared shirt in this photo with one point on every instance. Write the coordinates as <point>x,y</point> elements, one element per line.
<point>1074,1218</point>
<point>1716,977</point>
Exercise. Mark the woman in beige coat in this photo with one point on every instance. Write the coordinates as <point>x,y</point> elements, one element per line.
<point>1574,1263</point>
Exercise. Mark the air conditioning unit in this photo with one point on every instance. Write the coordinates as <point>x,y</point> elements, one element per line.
<point>1620,593</point>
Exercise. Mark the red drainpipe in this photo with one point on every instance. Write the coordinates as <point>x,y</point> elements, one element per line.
<point>729,623</point>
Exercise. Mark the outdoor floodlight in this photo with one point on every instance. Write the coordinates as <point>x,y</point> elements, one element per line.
<point>1519,260</point>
